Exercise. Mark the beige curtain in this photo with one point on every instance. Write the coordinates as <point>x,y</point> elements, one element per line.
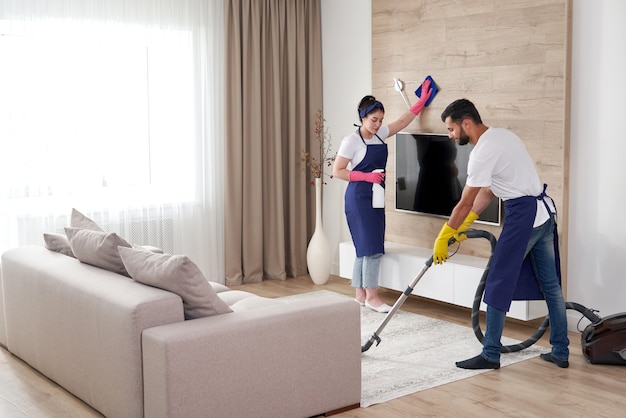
<point>273,89</point>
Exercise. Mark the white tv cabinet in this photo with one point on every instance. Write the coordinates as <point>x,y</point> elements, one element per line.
<point>454,282</point>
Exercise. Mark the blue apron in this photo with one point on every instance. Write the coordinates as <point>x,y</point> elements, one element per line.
<point>367,224</point>
<point>511,275</point>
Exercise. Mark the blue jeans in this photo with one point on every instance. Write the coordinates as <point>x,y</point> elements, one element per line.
<point>541,246</point>
<point>365,271</point>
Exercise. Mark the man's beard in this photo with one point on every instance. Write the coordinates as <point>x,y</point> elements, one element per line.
<point>463,138</point>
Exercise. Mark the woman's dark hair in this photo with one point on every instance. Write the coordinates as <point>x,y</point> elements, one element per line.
<point>367,105</point>
<point>461,109</point>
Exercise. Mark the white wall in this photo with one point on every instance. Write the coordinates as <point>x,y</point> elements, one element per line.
<point>347,74</point>
<point>597,235</point>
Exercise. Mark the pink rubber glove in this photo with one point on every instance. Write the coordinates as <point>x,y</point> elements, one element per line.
<point>369,177</point>
<point>426,92</point>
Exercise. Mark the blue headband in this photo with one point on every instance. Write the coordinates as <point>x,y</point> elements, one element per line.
<point>368,109</point>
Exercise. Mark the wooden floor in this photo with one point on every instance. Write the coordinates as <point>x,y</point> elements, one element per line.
<point>531,388</point>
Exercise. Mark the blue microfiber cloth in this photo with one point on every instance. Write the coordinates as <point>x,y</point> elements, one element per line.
<point>418,92</point>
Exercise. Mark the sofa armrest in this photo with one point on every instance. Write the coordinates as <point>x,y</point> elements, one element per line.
<point>291,359</point>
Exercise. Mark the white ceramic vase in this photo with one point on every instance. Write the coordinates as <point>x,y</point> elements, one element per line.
<point>318,255</point>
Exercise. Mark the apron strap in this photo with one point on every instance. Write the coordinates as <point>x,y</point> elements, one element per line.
<point>364,140</point>
<point>543,197</point>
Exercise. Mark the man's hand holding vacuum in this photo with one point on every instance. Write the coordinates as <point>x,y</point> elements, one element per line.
<point>440,250</point>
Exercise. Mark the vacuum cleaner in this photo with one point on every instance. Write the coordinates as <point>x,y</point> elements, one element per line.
<point>603,341</point>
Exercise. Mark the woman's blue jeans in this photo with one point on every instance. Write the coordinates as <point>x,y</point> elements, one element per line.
<point>541,246</point>
<point>365,271</point>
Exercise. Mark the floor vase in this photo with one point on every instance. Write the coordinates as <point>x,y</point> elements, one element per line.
<point>318,254</point>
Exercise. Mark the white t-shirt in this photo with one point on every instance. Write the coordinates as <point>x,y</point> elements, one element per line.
<point>354,149</point>
<point>501,162</point>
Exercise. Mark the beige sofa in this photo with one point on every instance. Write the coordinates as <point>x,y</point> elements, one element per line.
<point>126,349</point>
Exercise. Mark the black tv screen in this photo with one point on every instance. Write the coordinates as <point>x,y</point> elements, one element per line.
<point>431,170</point>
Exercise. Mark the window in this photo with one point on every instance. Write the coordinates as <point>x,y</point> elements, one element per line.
<point>98,114</point>
<point>114,108</point>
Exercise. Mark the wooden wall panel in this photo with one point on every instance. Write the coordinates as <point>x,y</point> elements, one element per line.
<point>510,58</point>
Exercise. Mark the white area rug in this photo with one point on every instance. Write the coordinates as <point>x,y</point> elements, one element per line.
<point>416,353</point>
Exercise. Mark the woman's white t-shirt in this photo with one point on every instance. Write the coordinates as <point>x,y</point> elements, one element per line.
<point>354,149</point>
<point>501,162</point>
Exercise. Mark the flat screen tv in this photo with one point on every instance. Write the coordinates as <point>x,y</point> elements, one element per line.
<point>430,174</point>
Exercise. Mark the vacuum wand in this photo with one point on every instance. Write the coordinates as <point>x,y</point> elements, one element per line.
<point>375,338</point>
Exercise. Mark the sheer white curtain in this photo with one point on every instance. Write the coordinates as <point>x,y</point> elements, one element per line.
<point>116,109</point>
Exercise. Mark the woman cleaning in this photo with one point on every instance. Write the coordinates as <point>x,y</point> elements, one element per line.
<point>361,160</point>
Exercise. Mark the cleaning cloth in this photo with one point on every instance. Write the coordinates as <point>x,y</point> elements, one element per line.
<point>418,92</point>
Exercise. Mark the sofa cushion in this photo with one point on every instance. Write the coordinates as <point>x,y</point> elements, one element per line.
<point>218,287</point>
<point>177,274</point>
<point>78,220</point>
<point>97,248</point>
<point>58,243</point>
<point>149,248</point>
<point>238,300</point>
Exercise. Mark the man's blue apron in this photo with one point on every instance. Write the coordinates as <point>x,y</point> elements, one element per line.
<point>511,275</point>
<point>367,224</point>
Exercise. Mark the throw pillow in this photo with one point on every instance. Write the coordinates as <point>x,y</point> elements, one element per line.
<point>58,243</point>
<point>78,220</point>
<point>97,248</point>
<point>177,274</point>
<point>149,248</point>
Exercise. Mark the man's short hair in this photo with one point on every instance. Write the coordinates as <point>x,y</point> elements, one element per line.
<point>461,109</point>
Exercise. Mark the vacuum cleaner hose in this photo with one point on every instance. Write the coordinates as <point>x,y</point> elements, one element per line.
<point>587,313</point>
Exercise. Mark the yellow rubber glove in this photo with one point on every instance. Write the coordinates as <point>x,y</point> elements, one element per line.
<point>440,250</point>
<point>469,219</point>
